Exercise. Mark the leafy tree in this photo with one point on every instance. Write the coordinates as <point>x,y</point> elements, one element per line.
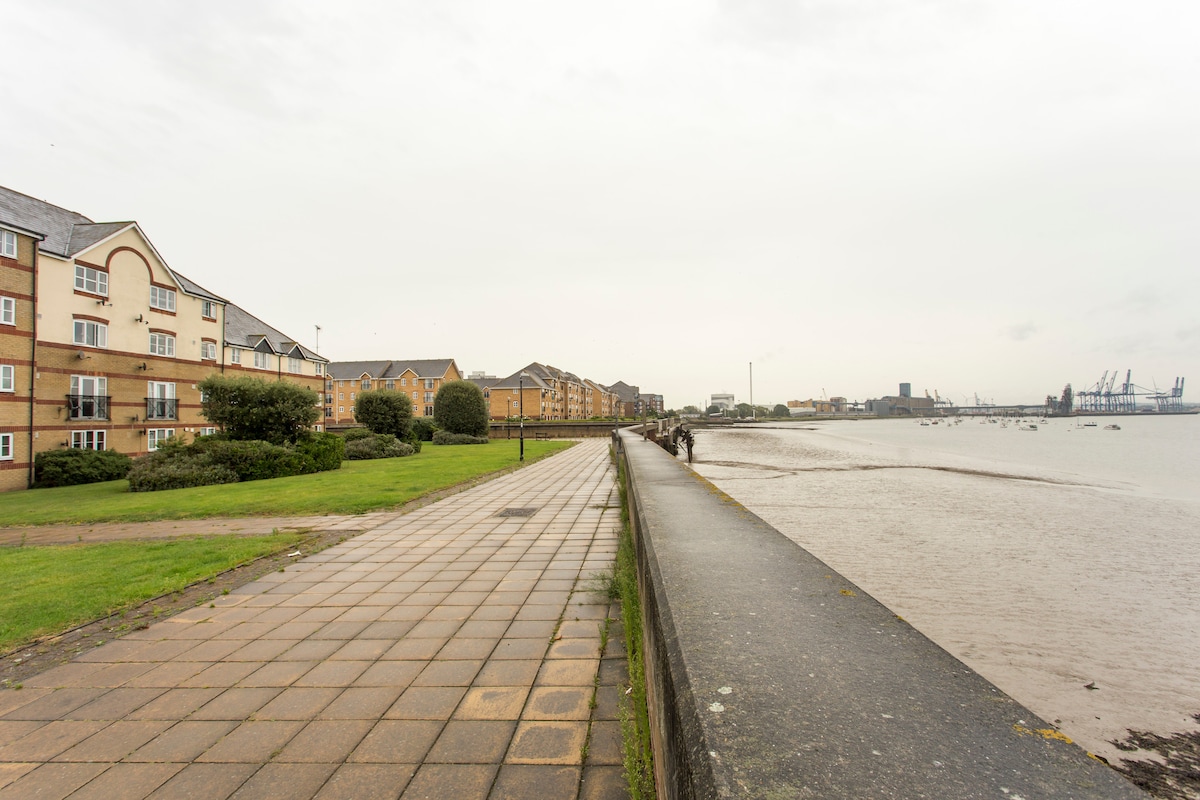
<point>460,408</point>
<point>250,408</point>
<point>691,410</point>
<point>745,410</point>
<point>385,411</point>
<point>713,409</point>
<point>781,410</point>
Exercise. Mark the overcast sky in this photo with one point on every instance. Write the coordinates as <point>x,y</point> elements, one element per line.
<point>992,197</point>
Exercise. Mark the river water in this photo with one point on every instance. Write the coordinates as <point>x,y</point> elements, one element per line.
<point>1047,560</point>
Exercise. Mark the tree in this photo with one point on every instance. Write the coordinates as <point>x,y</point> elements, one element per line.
<point>745,410</point>
<point>385,411</point>
<point>713,409</point>
<point>460,408</point>
<point>250,408</point>
<point>781,410</point>
<point>690,410</point>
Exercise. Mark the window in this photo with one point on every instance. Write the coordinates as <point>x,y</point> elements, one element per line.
<point>429,397</point>
<point>318,370</point>
<point>295,365</point>
<point>329,386</point>
<point>160,400</point>
<point>404,381</point>
<point>162,344</point>
<point>352,395</point>
<point>366,384</point>
<point>329,399</point>
<point>156,436</point>
<point>88,398</point>
<point>429,411</point>
<point>208,309</point>
<point>208,350</point>
<point>329,412</point>
<point>235,356</point>
<point>8,311</point>
<point>206,431</point>
<point>162,298</point>
<point>6,378</point>
<point>261,361</point>
<point>429,383</point>
<point>91,334</point>
<point>341,409</point>
<point>391,385</point>
<point>87,440</point>
<point>317,428</point>
<point>8,244</point>
<point>6,447</point>
<point>351,409</point>
<point>341,395</point>
<point>90,280</point>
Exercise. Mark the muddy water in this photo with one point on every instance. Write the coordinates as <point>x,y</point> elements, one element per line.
<point>1048,561</point>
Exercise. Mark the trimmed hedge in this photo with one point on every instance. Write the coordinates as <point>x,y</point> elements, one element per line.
<point>423,429</point>
<point>380,445</point>
<point>215,459</point>
<point>74,466</point>
<point>446,437</point>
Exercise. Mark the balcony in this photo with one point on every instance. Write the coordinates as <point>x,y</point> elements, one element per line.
<point>160,408</point>
<point>87,406</point>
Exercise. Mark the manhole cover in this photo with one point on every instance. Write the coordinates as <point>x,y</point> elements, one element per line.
<point>517,512</point>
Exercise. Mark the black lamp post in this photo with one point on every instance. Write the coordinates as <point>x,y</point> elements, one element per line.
<point>521,410</point>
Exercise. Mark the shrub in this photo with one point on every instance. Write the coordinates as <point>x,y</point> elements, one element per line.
<point>446,437</point>
<point>385,411</point>
<point>378,446</point>
<point>217,459</point>
<point>324,451</point>
<point>357,433</point>
<point>253,409</point>
<point>460,408</point>
<point>75,466</point>
<point>153,474</point>
<point>423,429</point>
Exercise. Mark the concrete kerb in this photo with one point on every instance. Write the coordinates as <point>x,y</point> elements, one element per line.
<point>773,676</point>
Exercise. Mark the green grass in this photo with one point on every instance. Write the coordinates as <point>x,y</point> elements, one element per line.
<point>357,487</point>
<point>51,589</point>
<point>637,754</point>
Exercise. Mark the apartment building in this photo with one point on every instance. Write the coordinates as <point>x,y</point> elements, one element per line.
<point>420,379</point>
<point>102,344</point>
<point>544,392</point>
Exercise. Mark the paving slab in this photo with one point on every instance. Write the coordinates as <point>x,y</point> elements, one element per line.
<point>451,651</point>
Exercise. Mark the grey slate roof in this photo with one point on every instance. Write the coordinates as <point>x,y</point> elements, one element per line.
<point>69,232</point>
<point>385,369</point>
<point>627,393</point>
<point>243,329</point>
<point>56,224</point>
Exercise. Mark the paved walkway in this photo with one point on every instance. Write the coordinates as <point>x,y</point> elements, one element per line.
<point>453,652</point>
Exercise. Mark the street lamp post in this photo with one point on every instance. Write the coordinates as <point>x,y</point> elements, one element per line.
<point>521,410</point>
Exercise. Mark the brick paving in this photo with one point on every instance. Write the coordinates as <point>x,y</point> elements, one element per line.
<point>453,652</point>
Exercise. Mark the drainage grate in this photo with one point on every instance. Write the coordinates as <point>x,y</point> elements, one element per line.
<point>517,512</point>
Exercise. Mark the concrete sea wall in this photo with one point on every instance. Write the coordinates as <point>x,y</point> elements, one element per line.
<point>771,676</point>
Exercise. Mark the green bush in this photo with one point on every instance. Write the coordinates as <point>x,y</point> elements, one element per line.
<point>252,409</point>
<point>385,411</point>
<point>382,445</point>
<point>357,433</point>
<point>460,408</point>
<point>152,473</point>
<point>324,451</point>
<point>74,466</point>
<point>446,437</point>
<point>217,459</point>
<point>423,429</point>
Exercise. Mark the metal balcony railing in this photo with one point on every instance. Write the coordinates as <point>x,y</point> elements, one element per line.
<point>87,406</point>
<point>160,408</point>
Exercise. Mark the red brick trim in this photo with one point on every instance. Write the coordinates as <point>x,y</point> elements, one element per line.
<point>90,265</point>
<point>162,311</point>
<point>90,319</point>
<point>112,254</point>
<point>162,330</point>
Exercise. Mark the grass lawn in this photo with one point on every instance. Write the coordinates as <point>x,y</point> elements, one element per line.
<point>51,589</point>
<point>357,487</point>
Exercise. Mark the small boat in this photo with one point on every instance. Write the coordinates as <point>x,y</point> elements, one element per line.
<point>1089,424</point>
<point>1027,426</point>
<point>1113,427</point>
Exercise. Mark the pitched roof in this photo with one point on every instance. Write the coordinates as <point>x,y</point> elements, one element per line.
<point>56,224</point>
<point>384,369</point>
<point>623,390</point>
<point>243,329</point>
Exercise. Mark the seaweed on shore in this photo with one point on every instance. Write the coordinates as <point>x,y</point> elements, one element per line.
<point>1176,776</point>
